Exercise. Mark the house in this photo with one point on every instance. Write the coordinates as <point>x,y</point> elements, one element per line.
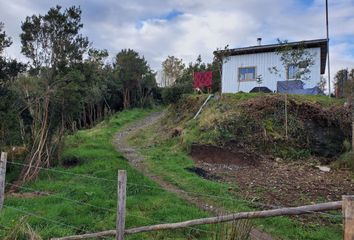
<point>242,66</point>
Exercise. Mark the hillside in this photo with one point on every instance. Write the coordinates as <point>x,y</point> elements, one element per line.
<point>237,148</point>
<point>80,194</point>
<point>318,126</point>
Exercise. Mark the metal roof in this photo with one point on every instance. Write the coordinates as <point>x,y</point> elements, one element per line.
<point>321,43</point>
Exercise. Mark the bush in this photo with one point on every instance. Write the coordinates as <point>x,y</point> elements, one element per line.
<point>174,93</point>
<point>346,160</point>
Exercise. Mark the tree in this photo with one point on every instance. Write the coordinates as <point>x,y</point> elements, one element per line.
<point>130,73</point>
<point>10,129</point>
<point>300,61</point>
<point>173,69</point>
<point>322,84</point>
<point>349,93</point>
<point>54,46</point>
<point>53,40</point>
<point>340,80</point>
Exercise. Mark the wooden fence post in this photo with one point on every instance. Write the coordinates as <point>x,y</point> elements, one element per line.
<point>348,217</point>
<point>121,190</point>
<point>3,161</point>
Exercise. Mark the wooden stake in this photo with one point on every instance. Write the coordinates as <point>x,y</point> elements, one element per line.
<point>122,186</point>
<point>348,217</point>
<point>3,161</point>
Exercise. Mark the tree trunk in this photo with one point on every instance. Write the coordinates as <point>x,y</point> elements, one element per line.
<point>126,98</point>
<point>41,146</point>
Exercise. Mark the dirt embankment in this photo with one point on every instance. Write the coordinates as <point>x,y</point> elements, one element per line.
<point>241,139</point>
<point>272,181</point>
<point>317,126</point>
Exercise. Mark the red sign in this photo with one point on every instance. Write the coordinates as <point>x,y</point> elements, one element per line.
<point>203,79</point>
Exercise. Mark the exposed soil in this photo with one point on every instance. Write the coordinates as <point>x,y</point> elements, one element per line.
<point>137,161</point>
<point>275,182</point>
<point>216,155</point>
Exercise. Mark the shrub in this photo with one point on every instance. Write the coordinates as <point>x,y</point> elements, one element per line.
<point>174,93</point>
<point>346,160</point>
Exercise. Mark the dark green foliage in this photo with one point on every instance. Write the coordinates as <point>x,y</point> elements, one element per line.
<point>174,93</point>
<point>53,40</point>
<point>10,133</point>
<point>341,78</point>
<point>133,77</point>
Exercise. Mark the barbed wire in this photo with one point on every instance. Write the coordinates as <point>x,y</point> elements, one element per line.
<point>236,200</point>
<point>98,207</point>
<point>41,217</point>
<point>63,172</point>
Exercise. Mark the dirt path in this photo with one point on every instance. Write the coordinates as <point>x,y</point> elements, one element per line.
<point>137,161</point>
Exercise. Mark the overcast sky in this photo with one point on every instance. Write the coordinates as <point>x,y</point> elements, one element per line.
<point>186,28</point>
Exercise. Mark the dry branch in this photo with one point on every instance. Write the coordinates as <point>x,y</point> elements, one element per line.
<point>212,220</point>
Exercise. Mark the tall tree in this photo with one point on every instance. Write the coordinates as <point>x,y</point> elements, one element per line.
<point>54,40</point>
<point>340,79</point>
<point>297,59</point>
<point>173,69</point>
<point>130,71</point>
<point>10,129</point>
<point>349,93</point>
<point>54,45</point>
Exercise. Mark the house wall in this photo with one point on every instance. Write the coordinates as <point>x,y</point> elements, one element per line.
<point>262,62</point>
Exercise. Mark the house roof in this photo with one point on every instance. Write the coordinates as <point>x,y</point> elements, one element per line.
<point>321,43</point>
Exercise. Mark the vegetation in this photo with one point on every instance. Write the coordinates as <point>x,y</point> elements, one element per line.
<point>298,62</point>
<point>66,85</point>
<point>349,93</point>
<point>255,121</point>
<point>167,156</point>
<point>184,83</point>
<point>82,204</point>
<point>173,69</point>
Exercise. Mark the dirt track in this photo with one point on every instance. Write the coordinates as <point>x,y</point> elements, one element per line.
<point>137,161</point>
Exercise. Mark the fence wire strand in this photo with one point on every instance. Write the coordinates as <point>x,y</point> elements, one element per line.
<point>40,217</point>
<point>95,206</point>
<point>257,204</point>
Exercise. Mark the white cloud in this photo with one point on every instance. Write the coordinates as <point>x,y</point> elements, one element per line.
<point>203,26</point>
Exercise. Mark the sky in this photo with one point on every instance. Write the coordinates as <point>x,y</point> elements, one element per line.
<point>187,28</point>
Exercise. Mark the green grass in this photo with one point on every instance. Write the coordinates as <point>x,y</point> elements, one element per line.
<point>98,158</point>
<point>168,158</point>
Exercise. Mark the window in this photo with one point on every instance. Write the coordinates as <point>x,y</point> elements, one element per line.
<point>247,74</point>
<point>292,71</point>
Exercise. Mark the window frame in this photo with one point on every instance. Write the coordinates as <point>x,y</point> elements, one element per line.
<point>248,80</point>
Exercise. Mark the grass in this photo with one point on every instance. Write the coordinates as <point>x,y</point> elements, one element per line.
<point>98,158</point>
<point>168,157</point>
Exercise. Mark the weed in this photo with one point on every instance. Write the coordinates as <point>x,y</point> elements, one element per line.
<point>22,231</point>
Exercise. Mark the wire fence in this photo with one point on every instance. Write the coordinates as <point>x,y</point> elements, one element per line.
<point>78,202</point>
<point>215,198</point>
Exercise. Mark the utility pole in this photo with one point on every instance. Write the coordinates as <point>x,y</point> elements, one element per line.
<point>329,68</point>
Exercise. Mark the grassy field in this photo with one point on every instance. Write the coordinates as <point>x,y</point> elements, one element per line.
<point>168,157</point>
<point>78,205</point>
